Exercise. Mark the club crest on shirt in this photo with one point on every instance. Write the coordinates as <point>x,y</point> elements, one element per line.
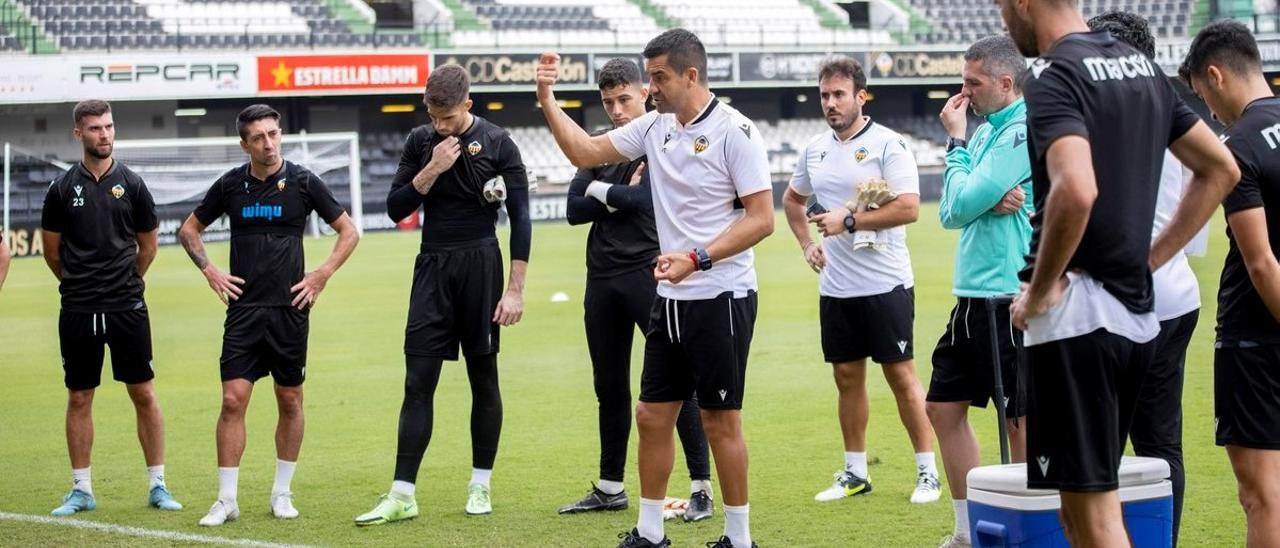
<point>700,144</point>
<point>473,148</point>
<point>860,154</point>
<point>117,191</point>
<point>280,185</point>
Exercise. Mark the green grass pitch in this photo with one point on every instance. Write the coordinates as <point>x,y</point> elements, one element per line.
<point>549,448</point>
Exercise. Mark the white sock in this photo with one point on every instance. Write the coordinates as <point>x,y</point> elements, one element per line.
<point>962,519</point>
<point>650,525</point>
<point>737,526</point>
<point>284,476</point>
<point>925,463</point>
<point>157,476</point>
<point>481,476</point>
<point>700,485</point>
<point>610,487</point>
<point>228,482</point>
<point>80,480</point>
<point>402,490</point>
<point>856,462</point>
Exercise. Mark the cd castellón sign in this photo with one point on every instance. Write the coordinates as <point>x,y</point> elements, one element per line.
<point>516,68</point>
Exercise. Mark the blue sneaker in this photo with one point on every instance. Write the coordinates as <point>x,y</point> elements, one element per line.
<point>75,501</point>
<point>161,498</point>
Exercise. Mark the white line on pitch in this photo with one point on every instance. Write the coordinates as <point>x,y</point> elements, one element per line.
<point>140,532</point>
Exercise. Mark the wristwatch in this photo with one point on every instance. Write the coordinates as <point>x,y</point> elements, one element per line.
<point>952,142</point>
<point>850,223</point>
<point>704,258</point>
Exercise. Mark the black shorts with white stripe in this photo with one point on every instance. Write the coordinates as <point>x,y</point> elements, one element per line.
<point>875,326</point>
<point>964,360</point>
<point>701,347</point>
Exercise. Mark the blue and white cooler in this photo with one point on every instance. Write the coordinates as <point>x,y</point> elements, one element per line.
<point>1003,512</point>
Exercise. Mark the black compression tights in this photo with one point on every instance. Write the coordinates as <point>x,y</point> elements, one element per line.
<point>422,374</point>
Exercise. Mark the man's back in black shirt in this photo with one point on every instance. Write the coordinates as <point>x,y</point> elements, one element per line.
<point>455,210</point>
<point>268,219</point>
<point>99,221</point>
<point>1243,317</point>
<point>620,241</point>
<point>1094,86</point>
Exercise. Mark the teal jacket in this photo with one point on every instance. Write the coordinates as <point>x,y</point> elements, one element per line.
<point>993,247</point>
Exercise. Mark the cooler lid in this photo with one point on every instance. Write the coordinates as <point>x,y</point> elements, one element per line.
<point>1012,478</point>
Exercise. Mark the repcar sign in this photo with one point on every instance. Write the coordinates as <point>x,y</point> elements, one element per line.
<point>47,78</point>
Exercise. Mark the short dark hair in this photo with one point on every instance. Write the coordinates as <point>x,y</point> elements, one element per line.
<point>846,67</point>
<point>89,107</point>
<point>448,86</point>
<point>1225,43</point>
<point>1127,27</point>
<point>683,50</point>
<point>999,56</point>
<point>618,72</point>
<point>251,114</point>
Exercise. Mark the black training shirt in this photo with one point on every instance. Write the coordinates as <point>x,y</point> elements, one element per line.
<point>624,240</point>
<point>1242,315</point>
<point>99,221</point>
<point>1099,88</point>
<point>268,219</point>
<point>454,210</point>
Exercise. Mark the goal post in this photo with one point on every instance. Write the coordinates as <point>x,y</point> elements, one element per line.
<point>179,171</point>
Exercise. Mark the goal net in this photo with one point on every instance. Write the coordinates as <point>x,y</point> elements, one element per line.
<point>179,172</point>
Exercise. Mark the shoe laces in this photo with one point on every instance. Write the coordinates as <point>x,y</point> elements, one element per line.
<point>480,494</point>
<point>699,497</point>
<point>724,542</point>
<point>928,480</point>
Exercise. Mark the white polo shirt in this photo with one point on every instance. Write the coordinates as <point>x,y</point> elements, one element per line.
<point>696,173</point>
<point>832,169</point>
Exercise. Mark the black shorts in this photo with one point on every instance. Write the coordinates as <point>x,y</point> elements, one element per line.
<point>1081,394</point>
<point>698,347</point>
<point>964,365</point>
<point>875,326</point>
<point>82,334</point>
<point>258,341</point>
<point>1246,380</point>
<point>455,292</point>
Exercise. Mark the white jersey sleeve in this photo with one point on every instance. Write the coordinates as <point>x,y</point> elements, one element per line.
<point>800,181</point>
<point>629,139</point>
<point>747,159</point>
<point>899,167</point>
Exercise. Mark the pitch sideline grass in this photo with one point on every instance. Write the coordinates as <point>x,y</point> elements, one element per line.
<point>549,446</point>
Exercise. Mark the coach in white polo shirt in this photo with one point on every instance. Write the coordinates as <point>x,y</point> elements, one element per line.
<point>867,301</point>
<point>709,175</point>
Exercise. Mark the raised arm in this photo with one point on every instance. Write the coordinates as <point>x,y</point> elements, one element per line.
<point>578,146</point>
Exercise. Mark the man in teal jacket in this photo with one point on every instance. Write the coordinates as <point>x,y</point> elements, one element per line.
<point>984,195</point>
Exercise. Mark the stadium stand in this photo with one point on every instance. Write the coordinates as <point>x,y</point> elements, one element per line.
<point>624,23</point>
<point>198,24</point>
<point>965,21</point>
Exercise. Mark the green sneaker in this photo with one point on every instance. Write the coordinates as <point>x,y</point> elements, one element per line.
<point>478,500</point>
<point>389,509</point>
